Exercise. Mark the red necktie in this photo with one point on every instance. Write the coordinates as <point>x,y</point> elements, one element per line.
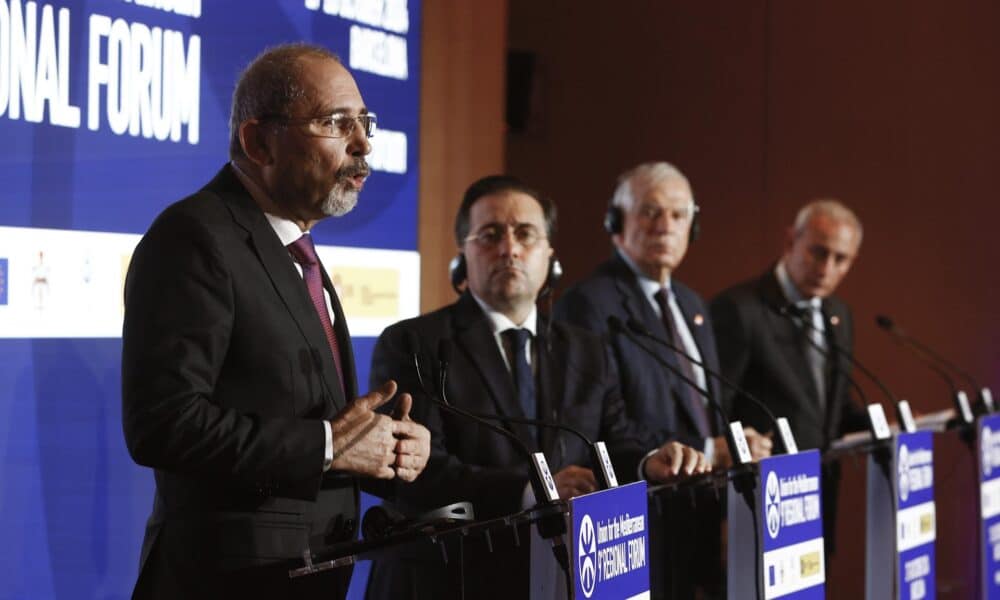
<point>304,253</point>
<point>691,397</point>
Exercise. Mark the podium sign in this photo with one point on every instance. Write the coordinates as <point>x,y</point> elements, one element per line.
<point>792,519</point>
<point>610,543</point>
<point>988,443</point>
<point>915,515</point>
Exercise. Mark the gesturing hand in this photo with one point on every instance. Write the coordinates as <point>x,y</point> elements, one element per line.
<point>673,460</point>
<point>364,441</point>
<point>413,441</point>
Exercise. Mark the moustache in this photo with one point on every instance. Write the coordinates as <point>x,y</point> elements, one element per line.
<point>360,167</point>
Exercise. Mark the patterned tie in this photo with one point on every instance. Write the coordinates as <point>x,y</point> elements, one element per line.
<point>691,397</point>
<point>304,253</point>
<point>816,347</point>
<point>524,381</point>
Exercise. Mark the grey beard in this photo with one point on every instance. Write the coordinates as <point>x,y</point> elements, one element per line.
<point>339,202</point>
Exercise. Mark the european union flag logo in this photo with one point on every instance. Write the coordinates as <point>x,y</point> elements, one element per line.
<point>3,281</point>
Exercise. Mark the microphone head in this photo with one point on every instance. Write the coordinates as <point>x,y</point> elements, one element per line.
<point>615,324</point>
<point>412,341</point>
<point>791,310</point>
<point>444,351</point>
<point>885,323</point>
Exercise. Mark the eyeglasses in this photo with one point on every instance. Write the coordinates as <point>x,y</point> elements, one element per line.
<point>337,125</point>
<point>490,236</point>
<point>653,212</point>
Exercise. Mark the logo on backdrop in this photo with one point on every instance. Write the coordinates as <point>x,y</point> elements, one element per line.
<point>773,506</point>
<point>904,473</point>
<point>587,556</point>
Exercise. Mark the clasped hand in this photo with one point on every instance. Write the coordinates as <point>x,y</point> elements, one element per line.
<point>372,444</point>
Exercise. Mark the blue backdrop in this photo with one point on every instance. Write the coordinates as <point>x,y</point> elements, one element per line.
<point>109,111</point>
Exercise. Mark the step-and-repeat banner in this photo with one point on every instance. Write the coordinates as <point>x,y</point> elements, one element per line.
<point>109,111</point>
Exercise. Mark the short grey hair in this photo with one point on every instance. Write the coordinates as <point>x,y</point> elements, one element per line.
<point>642,178</point>
<point>269,86</point>
<point>828,207</point>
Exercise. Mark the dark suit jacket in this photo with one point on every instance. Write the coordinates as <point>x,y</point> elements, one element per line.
<point>469,462</point>
<point>651,392</point>
<point>764,352</point>
<point>226,376</point>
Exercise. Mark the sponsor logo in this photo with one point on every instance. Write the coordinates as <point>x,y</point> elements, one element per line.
<point>903,468</point>
<point>3,281</point>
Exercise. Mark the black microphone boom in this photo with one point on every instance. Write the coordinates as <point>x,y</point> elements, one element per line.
<point>736,451</point>
<point>935,361</point>
<point>639,329</point>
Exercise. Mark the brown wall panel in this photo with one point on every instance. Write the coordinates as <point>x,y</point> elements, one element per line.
<point>461,123</point>
<point>891,106</point>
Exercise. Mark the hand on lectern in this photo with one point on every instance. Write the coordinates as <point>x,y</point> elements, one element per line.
<point>674,460</point>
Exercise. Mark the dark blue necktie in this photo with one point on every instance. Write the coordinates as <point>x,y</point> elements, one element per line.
<point>692,398</point>
<point>524,381</point>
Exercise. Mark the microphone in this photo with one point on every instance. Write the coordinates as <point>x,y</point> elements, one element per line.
<point>938,364</point>
<point>738,452</point>
<point>540,477</point>
<point>600,460</point>
<point>552,527</point>
<point>797,315</point>
<point>639,329</point>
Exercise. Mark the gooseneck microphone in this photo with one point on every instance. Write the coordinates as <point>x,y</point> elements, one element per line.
<point>639,329</point>
<point>735,451</point>
<point>936,362</point>
<point>601,463</point>
<point>538,484</point>
<point>798,317</point>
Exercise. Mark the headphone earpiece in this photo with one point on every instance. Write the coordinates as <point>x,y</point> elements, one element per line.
<point>552,277</point>
<point>695,232</point>
<point>457,272</point>
<point>613,220</point>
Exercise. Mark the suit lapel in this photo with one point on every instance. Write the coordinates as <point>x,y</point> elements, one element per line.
<point>836,330</point>
<point>551,398</point>
<point>637,307</point>
<point>287,282</point>
<point>695,321</point>
<point>790,341</point>
<point>474,336</point>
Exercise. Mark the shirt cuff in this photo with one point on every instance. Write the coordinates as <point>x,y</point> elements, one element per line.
<point>328,448</point>
<point>710,450</point>
<point>642,464</point>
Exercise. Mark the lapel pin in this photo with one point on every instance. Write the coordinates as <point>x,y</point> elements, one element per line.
<point>834,320</point>
<point>699,320</point>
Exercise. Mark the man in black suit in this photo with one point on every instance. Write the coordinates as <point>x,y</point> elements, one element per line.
<point>237,372</point>
<point>768,349</point>
<point>506,360</point>
<point>651,219</point>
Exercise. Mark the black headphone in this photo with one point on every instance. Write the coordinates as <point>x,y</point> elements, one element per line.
<point>458,273</point>
<point>614,221</point>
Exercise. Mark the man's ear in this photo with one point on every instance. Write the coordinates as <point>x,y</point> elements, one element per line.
<point>790,237</point>
<point>256,142</point>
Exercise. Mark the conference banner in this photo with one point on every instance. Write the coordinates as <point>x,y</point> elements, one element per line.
<point>111,110</point>
<point>988,444</point>
<point>915,515</point>
<point>792,518</point>
<point>609,544</point>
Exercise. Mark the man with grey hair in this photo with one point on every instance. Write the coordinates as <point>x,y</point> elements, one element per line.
<point>238,381</point>
<point>778,336</point>
<point>651,219</point>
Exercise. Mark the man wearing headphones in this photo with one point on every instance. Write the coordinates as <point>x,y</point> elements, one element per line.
<point>505,360</point>
<point>651,219</point>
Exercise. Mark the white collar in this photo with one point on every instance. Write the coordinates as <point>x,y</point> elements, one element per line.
<point>501,322</point>
<point>648,286</point>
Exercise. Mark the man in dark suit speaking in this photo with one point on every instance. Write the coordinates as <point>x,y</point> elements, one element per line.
<point>506,360</point>
<point>768,330</point>
<point>237,372</point>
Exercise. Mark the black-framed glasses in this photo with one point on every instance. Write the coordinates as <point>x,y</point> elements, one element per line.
<point>337,125</point>
<point>490,236</point>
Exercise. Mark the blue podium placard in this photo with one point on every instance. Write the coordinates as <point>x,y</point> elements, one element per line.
<point>915,515</point>
<point>792,517</point>
<point>988,443</point>
<point>610,542</point>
